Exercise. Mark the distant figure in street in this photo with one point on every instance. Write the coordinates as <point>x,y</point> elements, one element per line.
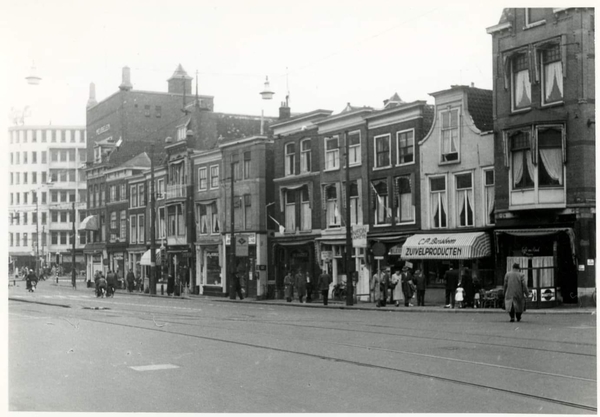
<point>300,284</point>
<point>419,280</point>
<point>239,282</point>
<point>288,285</point>
<point>309,288</point>
<point>396,285</point>
<point>379,287</point>
<point>467,283</point>
<point>325,281</point>
<point>130,280</point>
<point>170,284</point>
<point>31,281</point>
<point>407,286</point>
<point>515,293</point>
<point>111,282</point>
<point>451,277</point>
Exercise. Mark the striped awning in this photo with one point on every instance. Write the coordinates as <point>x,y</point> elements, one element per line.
<point>89,223</point>
<point>145,260</point>
<point>447,246</point>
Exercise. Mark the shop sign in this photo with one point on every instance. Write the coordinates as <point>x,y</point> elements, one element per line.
<point>96,257</point>
<point>378,258</point>
<point>590,262</point>
<point>118,256</point>
<point>359,235</point>
<point>547,294</point>
<point>530,251</point>
<point>241,246</point>
<point>250,237</point>
<point>103,129</point>
<point>326,255</point>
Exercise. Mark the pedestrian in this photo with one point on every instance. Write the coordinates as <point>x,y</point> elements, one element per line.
<point>379,288</point>
<point>477,290</point>
<point>170,284</point>
<point>407,286</point>
<point>239,282</point>
<point>325,281</point>
<point>130,280</point>
<point>396,285</point>
<point>419,281</point>
<point>515,293</point>
<point>300,284</point>
<point>309,288</point>
<point>111,282</point>
<point>393,284</point>
<point>460,296</point>
<point>451,277</point>
<point>467,284</point>
<point>288,283</point>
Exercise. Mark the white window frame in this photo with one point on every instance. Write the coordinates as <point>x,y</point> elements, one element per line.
<point>290,211</point>
<point>464,194</point>
<point>442,198</point>
<point>382,205</point>
<point>450,128</point>
<point>141,228</point>
<point>290,159</point>
<point>305,211</point>
<point>332,156</point>
<point>399,218</point>
<point>486,194</point>
<point>355,150</point>
<point>332,220</point>
<point>202,170</point>
<point>305,156</point>
<point>160,188</point>
<point>123,225</point>
<point>513,106</point>
<point>133,228</point>
<point>398,134</point>
<point>215,227</point>
<point>528,23</point>
<point>113,220</point>
<point>376,139</point>
<point>543,65</point>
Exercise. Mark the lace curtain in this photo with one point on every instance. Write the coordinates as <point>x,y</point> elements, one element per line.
<point>552,160</point>
<point>553,76</point>
<point>522,89</point>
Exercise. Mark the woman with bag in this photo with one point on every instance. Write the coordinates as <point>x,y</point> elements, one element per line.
<point>397,294</point>
<point>515,293</point>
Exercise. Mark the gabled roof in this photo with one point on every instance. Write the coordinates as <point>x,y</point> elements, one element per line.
<point>180,73</point>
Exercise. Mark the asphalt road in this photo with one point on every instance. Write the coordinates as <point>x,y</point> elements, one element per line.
<point>72,352</point>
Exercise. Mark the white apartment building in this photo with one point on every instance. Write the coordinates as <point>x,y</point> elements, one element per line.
<point>47,194</point>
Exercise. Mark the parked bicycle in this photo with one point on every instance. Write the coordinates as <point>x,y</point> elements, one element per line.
<point>339,291</point>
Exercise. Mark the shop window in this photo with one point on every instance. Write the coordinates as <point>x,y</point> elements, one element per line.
<point>464,199</point>
<point>382,151</point>
<point>437,202</point>
<point>332,153</point>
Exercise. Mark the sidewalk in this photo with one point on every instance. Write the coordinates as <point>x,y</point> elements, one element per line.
<point>65,285</point>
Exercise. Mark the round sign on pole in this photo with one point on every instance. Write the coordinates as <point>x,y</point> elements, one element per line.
<point>378,249</point>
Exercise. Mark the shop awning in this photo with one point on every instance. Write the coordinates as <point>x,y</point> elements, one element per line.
<point>447,246</point>
<point>146,258</point>
<point>89,223</point>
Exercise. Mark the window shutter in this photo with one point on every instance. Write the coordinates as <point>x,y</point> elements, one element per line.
<point>282,199</point>
<point>505,147</point>
<point>531,63</point>
<point>506,65</point>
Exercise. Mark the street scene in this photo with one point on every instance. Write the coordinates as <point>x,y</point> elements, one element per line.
<point>332,207</point>
<point>137,353</point>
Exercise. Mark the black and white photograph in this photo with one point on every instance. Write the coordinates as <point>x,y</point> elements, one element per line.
<point>325,206</point>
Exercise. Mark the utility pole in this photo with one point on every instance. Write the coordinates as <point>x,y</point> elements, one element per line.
<point>37,236</point>
<point>232,241</point>
<point>349,248</point>
<point>73,272</point>
<point>152,225</point>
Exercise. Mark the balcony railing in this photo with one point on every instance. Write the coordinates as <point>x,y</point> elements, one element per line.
<point>176,190</point>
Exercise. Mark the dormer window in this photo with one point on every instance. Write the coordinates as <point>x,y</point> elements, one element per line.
<point>450,136</point>
<point>534,17</point>
<point>181,132</point>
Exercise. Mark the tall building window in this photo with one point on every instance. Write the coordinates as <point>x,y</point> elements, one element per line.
<point>382,151</point>
<point>34,177</point>
<point>25,157</point>
<point>214,176</point>
<point>237,174</point>
<point>133,196</point>
<point>247,212</point>
<point>534,16</point>
<point>123,225</point>
<point>406,146</point>
<point>450,135</point>
<point>522,164</point>
<point>43,157</point>
<point>437,202</point>
<point>18,239</point>
<point>25,241</point>
<point>464,199</point>
<point>247,165</point>
<point>305,210</point>
<point>202,218</point>
<point>354,147</point>
<point>552,74</point>
<point>405,206</point>
<point>202,179</point>
<point>141,195</point>
<point>133,228</point>
<point>147,110</point>
<point>113,220</point>
<point>354,204</point>
<point>63,238</point>
<point>489,196</point>
<point>290,158</point>
<point>112,195</point>
<point>332,153</point>
<point>34,157</point>
<point>521,82</point>
<point>381,199</point>
<point>122,192</point>
<point>305,156</point>
<point>550,165</point>
<point>290,210</point>
<point>332,208</point>
<point>141,229</point>
<point>44,217</point>
<point>180,220</point>
<point>214,222</point>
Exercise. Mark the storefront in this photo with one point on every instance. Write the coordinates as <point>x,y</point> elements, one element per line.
<point>96,260</point>
<point>145,263</point>
<point>292,255</point>
<point>434,254</point>
<point>250,260</point>
<point>546,257</point>
<point>209,263</point>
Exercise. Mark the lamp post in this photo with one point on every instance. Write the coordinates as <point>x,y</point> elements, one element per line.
<point>349,248</point>
<point>232,240</point>
<point>152,225</point>
<point>73,272</point>
<point>266,94</point>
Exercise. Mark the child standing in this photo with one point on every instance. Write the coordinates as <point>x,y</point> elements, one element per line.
<point>460,296</point>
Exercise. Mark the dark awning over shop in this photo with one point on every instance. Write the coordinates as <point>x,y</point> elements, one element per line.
<point>89,223</point>
<point>447,246</point>
<point>541,232</point>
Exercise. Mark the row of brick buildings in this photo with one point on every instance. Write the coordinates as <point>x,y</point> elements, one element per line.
<point>479,180</point>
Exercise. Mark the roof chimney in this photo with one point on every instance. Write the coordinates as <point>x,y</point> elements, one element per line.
<point>284,111</point>
<point>472,85</point>
<point>126,80</point>
<point>92,98</point>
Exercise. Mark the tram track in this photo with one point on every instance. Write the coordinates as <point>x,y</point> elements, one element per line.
<point>359,363</point>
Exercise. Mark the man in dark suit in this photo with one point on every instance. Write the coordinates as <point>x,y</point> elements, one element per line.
<point>451,277</point>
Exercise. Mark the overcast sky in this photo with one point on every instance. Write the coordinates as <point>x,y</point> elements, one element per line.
<point>329,52</point>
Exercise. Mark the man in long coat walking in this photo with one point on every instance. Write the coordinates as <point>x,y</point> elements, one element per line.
<point>515,291</point>
<point>300,284</point>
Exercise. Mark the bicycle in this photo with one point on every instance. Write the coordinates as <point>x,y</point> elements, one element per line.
<point>339,291</point>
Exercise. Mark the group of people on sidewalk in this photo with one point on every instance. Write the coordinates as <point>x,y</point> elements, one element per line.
<point>402,286</point>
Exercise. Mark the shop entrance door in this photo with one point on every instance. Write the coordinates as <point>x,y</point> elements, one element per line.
<point>540,273</point>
